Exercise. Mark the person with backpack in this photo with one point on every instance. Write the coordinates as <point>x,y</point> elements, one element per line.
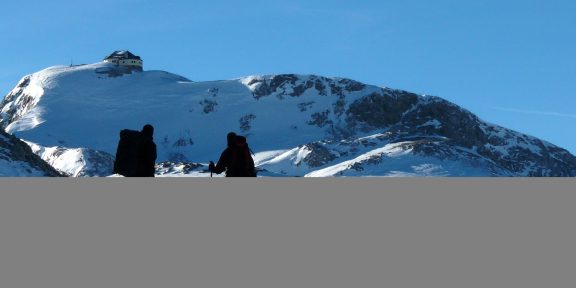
<point>147,156</point>
<point>236,159</point>
<point>136,153</point>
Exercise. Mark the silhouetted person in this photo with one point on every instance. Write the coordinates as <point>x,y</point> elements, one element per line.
<point>147,154</point>
<point>136,153</point>
<point>235,159</point>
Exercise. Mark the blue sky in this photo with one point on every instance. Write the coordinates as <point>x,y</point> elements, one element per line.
<point>511,62</point>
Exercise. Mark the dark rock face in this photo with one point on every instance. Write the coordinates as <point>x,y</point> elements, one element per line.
<point>183,142</point>
<point>304,106</point>
<point>318,156</point>
<point>208,106</point>
<point>168,167</point>
<point>380,110</point>
<point>455,123</point>
<point>23,103</point>
<point>351,85</point>
<point>245,122</point>
<point>280,85</point>
<point>320,119</point>
<point>102,164</point>
<point>13,149</point>
<point>508,150</point>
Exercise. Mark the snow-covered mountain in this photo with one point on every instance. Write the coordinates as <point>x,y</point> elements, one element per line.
<point>17,159</point>
<point>298,125</point>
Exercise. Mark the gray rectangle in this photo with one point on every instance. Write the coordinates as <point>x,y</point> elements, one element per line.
<point>354,232</point>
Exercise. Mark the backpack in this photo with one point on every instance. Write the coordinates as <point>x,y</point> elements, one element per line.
<point>242,163</point>
<point>127,153</point>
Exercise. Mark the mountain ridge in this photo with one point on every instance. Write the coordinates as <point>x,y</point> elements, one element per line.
<point>299,125</point>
